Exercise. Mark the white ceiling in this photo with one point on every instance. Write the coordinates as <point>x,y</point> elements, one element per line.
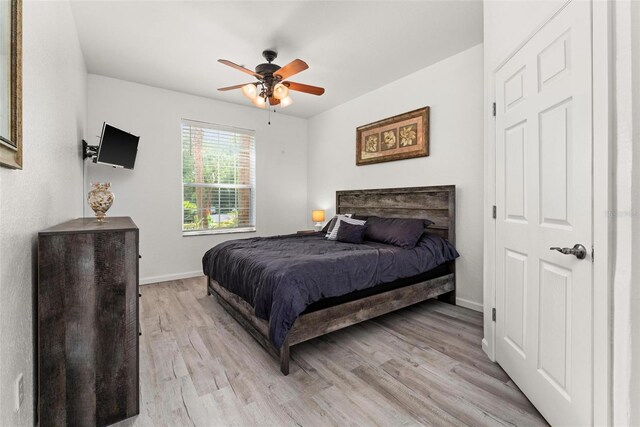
<point>352,47</point>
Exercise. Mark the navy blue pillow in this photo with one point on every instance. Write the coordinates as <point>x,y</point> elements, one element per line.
<point>403,232</point>
<point>351,233</point>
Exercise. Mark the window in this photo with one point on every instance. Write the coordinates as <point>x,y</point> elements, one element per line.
<point>218,179</point>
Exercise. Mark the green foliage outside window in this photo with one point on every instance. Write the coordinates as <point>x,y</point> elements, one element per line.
<point>223,164</point>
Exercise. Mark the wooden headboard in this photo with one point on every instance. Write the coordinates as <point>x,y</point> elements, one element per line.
<point>435,203</point>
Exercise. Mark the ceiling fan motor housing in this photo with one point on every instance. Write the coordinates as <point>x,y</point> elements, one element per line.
<point>268,68</point>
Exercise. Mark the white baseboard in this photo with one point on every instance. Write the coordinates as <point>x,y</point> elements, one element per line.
<point>469,304</point>
<point>168,277</point>
<point>487,350</point>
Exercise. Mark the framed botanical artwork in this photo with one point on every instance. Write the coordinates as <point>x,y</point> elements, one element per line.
<point>404,136</point>
<point>11,83</point>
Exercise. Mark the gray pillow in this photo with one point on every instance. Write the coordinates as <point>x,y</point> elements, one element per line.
<point>403,232</point>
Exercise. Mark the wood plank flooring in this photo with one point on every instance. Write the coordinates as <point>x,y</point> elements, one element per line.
<point>419,366</point>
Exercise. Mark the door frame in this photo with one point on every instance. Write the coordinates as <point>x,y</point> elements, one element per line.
<point>602,147</point>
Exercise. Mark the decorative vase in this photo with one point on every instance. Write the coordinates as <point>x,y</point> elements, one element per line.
<point>100,199</point>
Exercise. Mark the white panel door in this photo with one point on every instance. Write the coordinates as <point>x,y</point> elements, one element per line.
<point>543,199</point>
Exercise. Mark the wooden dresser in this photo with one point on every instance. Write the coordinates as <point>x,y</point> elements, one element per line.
<point>87,314</point>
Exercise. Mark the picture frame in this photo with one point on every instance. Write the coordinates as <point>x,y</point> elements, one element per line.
<point>11,83</point>
<point>405,136</point>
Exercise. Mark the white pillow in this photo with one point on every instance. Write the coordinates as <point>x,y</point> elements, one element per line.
<point>334,232</point>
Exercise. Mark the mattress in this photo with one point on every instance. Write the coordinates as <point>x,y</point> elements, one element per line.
<point>434,273</point>
<point>282,276</point>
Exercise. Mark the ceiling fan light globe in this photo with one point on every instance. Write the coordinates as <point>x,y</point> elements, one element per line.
<point>286,101</point>
<point>259,102</point>
<point>250,91</point>
<point>280,91</point>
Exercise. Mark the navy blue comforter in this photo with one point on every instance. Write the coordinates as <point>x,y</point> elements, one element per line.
<point>280,276</point>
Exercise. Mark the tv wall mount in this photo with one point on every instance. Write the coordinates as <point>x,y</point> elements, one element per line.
<point>89,151</point>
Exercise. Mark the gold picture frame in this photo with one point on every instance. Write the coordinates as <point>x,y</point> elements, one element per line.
<point>11,76</point>
<point>404,136</point>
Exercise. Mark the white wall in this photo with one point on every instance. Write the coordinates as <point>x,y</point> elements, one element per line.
<point>46,192</point>
<point>152,193</point>
<point>634,377</point>
<point>508,22</point>
<point>453,90</point>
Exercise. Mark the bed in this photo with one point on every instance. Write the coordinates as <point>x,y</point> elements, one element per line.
<point>307,286</point>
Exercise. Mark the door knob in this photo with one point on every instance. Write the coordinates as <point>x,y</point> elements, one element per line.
<point>578,250</point>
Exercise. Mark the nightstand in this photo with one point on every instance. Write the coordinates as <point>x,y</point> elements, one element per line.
<point>307,232</point>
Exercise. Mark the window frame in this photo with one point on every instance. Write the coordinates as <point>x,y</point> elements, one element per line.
<point>217,231</point>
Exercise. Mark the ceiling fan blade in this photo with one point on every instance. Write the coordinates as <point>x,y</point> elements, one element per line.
<point>314,90</point>
<point>239,68</point>
<point>293,67</point>
<point>224,89</point>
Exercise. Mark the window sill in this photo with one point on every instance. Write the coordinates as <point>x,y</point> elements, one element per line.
<point>218,231</point>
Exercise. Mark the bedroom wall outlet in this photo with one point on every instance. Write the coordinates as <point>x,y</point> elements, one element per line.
<point>19,391</point>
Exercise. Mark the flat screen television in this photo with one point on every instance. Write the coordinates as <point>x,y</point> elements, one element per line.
<point>117,147</point>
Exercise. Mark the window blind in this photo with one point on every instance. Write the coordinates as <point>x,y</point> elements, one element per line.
<point>218,178</point>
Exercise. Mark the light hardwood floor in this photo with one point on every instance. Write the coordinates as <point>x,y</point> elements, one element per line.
<point>419,366</point>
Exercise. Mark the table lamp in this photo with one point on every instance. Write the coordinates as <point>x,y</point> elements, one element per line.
<point>317,217</point>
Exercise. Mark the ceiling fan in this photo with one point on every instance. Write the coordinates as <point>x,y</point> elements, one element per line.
<point>271,87</point>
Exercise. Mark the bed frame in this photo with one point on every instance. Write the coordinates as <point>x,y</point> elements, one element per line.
<point>434,203</point>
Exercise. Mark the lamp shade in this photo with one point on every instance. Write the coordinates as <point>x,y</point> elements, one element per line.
<point>285,102</point>
<point>317,216</point>
<point>280,91</point>
<point>250,91</point>
<point>259,101</point>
